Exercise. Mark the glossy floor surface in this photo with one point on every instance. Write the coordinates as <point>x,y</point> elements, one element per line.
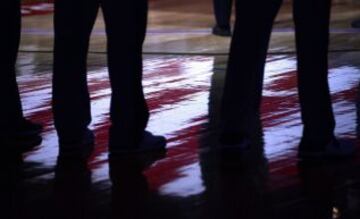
<point>184,69</point>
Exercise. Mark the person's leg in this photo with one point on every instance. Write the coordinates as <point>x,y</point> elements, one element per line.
<point>11,109</point>
<point>14,128</point>
<point>73,22</point>
<point>222,11</point>
<point>126,28</point>
<point>244,79</point>
<point>312,39</point>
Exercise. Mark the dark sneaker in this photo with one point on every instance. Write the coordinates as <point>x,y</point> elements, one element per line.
<point>241,146</point>
<point>81,148</point>
<point>23,137</point>
<point>148,143</point>
<point>122,163</point>
<point>220,31</point>
<point>27,128</point>
<point>234,143</point>
<point>356,23</point>
<point>21,144</point>
<point>232,150</point>
<point>334,149</point>
<point>71,168</point>
<point>130,187</point>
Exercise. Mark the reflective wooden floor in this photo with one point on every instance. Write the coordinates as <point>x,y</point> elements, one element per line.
<point>184,69</point>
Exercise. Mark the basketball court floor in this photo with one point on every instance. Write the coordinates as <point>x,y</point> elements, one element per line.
<point>184,70</point>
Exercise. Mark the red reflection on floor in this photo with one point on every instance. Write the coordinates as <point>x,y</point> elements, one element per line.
<point>178,90</point>
<point>37,8</point>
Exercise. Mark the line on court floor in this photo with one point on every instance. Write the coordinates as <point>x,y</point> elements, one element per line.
<point>98,32</point>
<point>194,53</point>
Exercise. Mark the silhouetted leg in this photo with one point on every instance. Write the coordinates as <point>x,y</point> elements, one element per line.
<point>222,10</point>
<point>312,38</point>
<point>244,79</point>
<point>74,21</point>
<point>10,110</point>
<point>126,28</point>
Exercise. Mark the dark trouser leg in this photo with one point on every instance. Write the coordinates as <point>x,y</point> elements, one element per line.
<point>73,24</point>
<point>244,79</point>
<point>126,27</point>
<point>312,38</point>
<point>222,10</point>
<point>11,110</point>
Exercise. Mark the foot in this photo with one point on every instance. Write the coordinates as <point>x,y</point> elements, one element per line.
<point>133,162</point>
<point>220,31</point>
<point>234,143</point>
<point>27,128</point>
<point>149,143</point>
<point>356,23</point>
<point>23,144</point>
<point>333,149</point>
<point>81,148</point>
<point>23,137</point>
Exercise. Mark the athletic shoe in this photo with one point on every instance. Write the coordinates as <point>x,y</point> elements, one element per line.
<point>334,149</point>
<point>219,31</point>
<point>27,128</point>
<point>356,23</point>
<point>81,148</point>
<point>234,143</point>
<point>23,137</point>
<point>149,143</point>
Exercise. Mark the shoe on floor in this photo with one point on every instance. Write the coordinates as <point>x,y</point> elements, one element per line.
<point>149,143</point>
<point>355,23</point>
<point>27,128</point>
<point>219,31</point>
<point>81,148</point>
<point>234,143</point>
<point>334,149</point>
<point>21,144</point>
<point>23,137</point>
<point>241,146</point>
<point>133,162</point>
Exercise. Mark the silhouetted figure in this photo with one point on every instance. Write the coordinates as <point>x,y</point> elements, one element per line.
<point>125,27</point>
<point>244,80</point>
<point>222,10</point>
<point>15,130</point>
